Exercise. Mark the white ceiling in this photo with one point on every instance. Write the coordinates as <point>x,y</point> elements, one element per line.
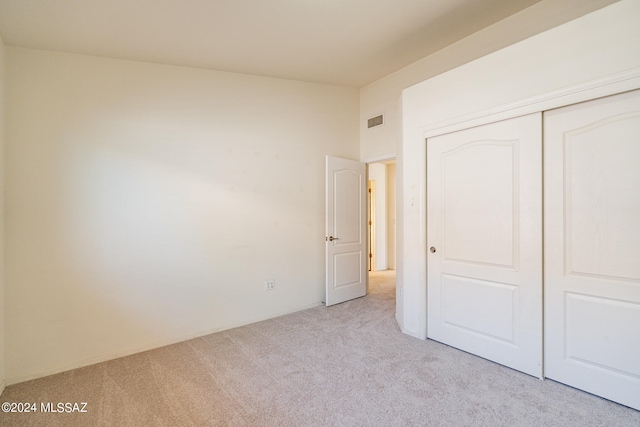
<point>343,42</point>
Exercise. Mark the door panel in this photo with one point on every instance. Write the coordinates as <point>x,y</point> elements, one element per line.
<point>592,247</point>
<point>484,203</point>
<point>465,300</point>
<point>476,231</point>
<point>346,241</point>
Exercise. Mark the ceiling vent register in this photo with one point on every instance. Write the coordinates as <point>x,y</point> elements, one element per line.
<point>375,121</point>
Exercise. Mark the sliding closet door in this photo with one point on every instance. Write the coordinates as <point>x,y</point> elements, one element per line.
<point>484,234</point>
<point>592,247</point>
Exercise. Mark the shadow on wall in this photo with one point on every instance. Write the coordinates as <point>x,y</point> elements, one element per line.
<point>157,248</point>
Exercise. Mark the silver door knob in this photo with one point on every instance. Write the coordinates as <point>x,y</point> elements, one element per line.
<point>432,249</point>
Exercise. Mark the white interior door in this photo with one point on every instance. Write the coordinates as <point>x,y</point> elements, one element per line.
<point>592,247</point>
<point>484,233</point>
<point>346,238</point>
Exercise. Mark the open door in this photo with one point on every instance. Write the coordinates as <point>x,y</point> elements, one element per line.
<point>346,241</point>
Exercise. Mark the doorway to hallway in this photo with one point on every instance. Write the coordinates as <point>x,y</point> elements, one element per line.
<point>381,216</point>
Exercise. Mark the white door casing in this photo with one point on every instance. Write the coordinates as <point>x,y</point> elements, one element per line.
<point>592,246</point>
<point>346,239</point>
<point>484,222</point>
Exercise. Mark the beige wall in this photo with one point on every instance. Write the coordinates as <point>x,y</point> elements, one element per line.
<point>2,265</point>
<point>147,204</point>
<point>384,96</point>
<point>391,216</point>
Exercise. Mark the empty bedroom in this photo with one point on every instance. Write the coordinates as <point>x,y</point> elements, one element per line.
<point>320,213</point>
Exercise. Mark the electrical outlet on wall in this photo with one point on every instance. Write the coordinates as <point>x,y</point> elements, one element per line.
<point>269,285</point>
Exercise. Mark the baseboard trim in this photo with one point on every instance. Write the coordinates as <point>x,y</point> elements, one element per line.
<point>143,348</point>
<point>411,333</point>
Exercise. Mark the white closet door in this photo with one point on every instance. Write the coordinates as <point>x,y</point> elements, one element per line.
<point>484,233</point>
<point>592,247</point>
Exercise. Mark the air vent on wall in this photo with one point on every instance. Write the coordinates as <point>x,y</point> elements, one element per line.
<point>375,121</point>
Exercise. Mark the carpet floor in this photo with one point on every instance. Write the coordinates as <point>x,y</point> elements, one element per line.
<point>345,365</point>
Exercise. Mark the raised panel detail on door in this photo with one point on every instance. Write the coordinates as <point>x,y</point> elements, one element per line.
<point>592,247</point>
<point>488,230</point>
<point>600,173</point>
<point>606,348</point>
<point>465,299</point>
<point>347,192</point>
<point>484,231</point>
<point>347,269</point>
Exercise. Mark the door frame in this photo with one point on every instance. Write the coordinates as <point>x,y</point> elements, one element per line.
<point>371,222</point>
<point>385,161</point>
<point>381,160</point>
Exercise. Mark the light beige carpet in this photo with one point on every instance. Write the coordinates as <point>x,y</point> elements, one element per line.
<point>346,365</point>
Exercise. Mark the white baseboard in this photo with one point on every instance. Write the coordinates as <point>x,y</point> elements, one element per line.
<point>142,348</point>
<point>412,333</point>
